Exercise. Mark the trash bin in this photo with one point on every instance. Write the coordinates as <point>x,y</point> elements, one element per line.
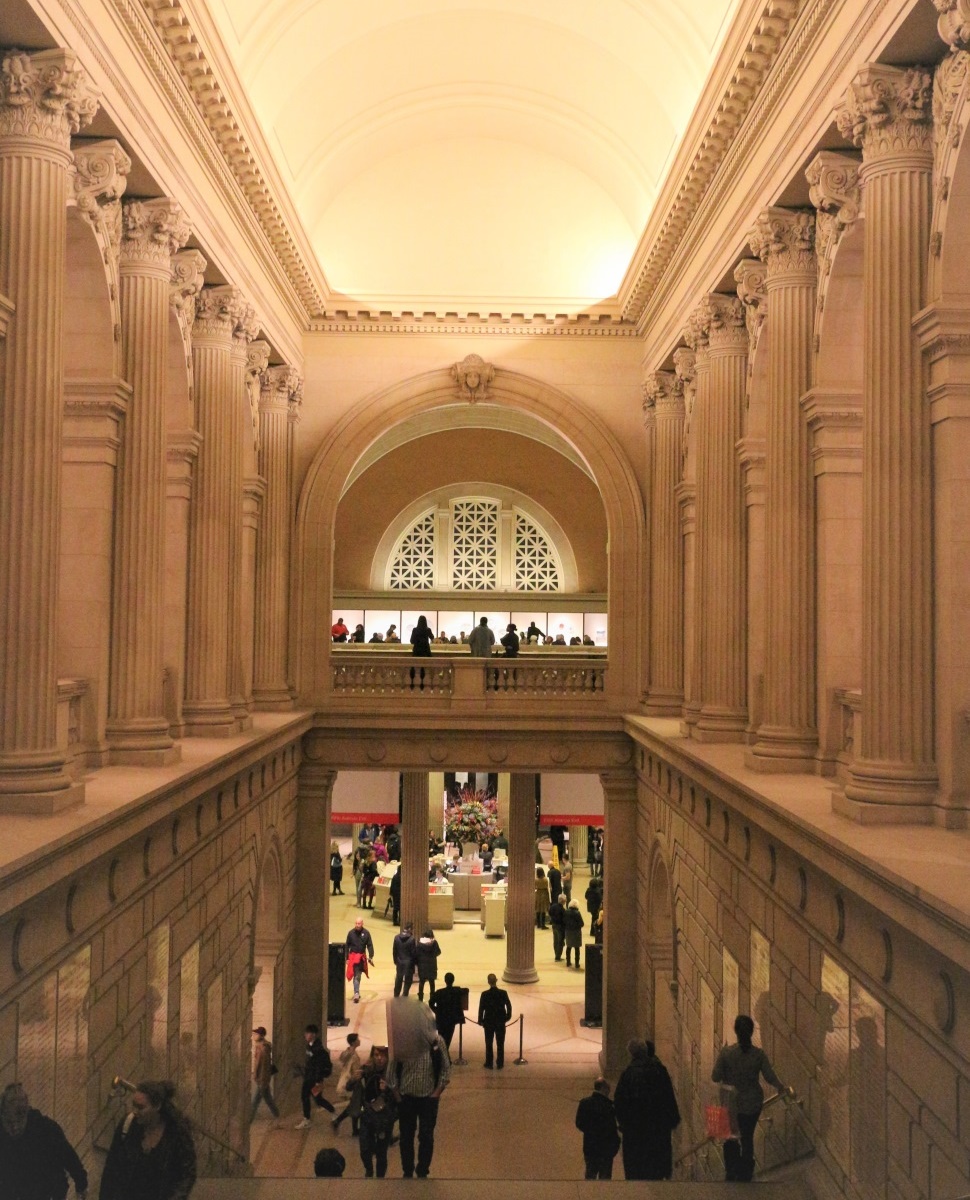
<point>336,984</point>
<point>594,985</point>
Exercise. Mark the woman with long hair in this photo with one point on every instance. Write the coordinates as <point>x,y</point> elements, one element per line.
<point>152,1155</point>
<point>421,639</point>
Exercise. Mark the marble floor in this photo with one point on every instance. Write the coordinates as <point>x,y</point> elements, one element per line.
<point>511,1124</point>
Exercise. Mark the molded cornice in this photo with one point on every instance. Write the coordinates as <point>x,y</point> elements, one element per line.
<point>578,325</point>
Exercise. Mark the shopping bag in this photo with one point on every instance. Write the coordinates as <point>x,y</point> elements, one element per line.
<point>717,1121</point>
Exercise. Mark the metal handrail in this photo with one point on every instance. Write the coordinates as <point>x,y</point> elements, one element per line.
<point>697,1146</point>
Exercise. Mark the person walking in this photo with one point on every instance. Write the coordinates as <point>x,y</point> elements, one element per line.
<point>35,1156</point>
<point>596,1120</point>
<point>542,898</point>
<point>566,871</point>
<point>347,1080</point>
<point>369,872</point>
<point>152,1155</point>
<point>741,1066</point>
<point>426,952</point>
<point>446,1005</point>
<point>417,1084</point>
<point>394,895</point>
<point>316,1068</point>
<point>263,1073</point>
<point>336,869</point>
<point>360,953</point>
<point>557,921</point>
<point>403,952</point>
<point>378,1112</point>
<point>647,1114</point>
<point>481,640</point>
<point>573,921</point>
<point>494,1011</point>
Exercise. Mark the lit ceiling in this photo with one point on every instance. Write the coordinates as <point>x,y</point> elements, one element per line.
<point>472,155</point>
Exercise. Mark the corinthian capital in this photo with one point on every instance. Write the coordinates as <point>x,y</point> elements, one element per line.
<point>696,331</point>
<point>152,231</point>
<point>100,175</point>
<point>665,392</point>
<point>186,282</point>
<point>888,111</point>
<point>784,240</point>
<point>726,328</point>
<point>751,276</point>
<point>45,96</point>
<point>257,358</point>
<point>953,23</point>
<point>684,364</point>
<point>833,185</point>
<point>282,385</point>
<point>247,324</point>
<point>218,310</point>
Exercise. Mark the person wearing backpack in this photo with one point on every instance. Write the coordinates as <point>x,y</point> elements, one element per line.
<point>316,1068</point>
<point>263,1072</point>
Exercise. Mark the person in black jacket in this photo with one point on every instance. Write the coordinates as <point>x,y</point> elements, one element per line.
<point>445,1003</point>
<point>596,1120</point>
<point>316,1068</point>
<point>494,1010</point>
<point>510,641</point>
<point>426,951</point>
<point>152,1155</point>
<point>35,1156</point>
<point>403,955</point>
<point>647,1113</point>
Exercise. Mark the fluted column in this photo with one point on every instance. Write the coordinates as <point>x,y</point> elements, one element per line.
<point>137,730</point>
<point>697,456</point>
<point>207,709</point>
<point>414,850</point>
<point>721,560</point>
<point>311,900</point>
<point>280,386</point>
<point>239,697</point>
<point>44,98</point>
<point>787,738</point>
<point>620,907</point>
<point>520,918</point>
<point>666,692</point>
<point>887,112</point>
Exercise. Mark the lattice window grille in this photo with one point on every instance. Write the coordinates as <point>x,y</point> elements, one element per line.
<point>536,568</point>
<point>475,534</point>
<point>412,568</point>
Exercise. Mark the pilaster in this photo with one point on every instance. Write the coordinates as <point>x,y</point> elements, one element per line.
<point>696,456</point>
<point>786,739</point>
<point>311,900</point>
<point>887,112</point>
<point>414,850</point>
<point>520,918</point>
<point>44,99</point>
<point>240,695</point>
<point>620,978</point>
<point>181,453</point>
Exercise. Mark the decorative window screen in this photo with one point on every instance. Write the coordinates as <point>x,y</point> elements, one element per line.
<point>536,569</point>
<point>475,545</point>
<point>413,564</point>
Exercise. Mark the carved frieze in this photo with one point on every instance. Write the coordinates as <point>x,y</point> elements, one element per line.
<point>751,276</point>
<point>784,240</point>
<point>152,231</point>
<point>888,111</point>
<point>473,376</point>
<point>45,95</point>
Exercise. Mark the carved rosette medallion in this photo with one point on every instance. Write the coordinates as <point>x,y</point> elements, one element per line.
<point>953,23</point>
<point>751,276</point>
<point>45,97</point>
<point>218,310</point>
<point>152,231</point>
<point>727,331</point>
<point>473,376</point>
<point>784,240</point>
<point>888,112</point>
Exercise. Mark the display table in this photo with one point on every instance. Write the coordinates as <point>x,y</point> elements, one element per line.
<point>441,906</point>
<point>468,889</point>
<point>493,915</point>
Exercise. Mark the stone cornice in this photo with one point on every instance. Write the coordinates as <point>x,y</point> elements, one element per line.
<point>578,325</point>
<point>152,231</point>
<point>888,112</point>
<point>45,96</point>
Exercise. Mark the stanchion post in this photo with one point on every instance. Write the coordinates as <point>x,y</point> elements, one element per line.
<point>521,1061</point>
<point>460,1061</point>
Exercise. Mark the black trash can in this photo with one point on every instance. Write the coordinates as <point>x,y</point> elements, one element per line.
<point>594,985</point>
<point>336,984</point>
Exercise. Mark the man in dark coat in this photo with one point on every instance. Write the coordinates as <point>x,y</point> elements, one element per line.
<point>394,890</point>
<point>596,1120</point>
<point>316,1068</point>
<point>403,952</point>
<point>647,1113</point>
<point>35,1156</point>
<point>445,1003</point>
<point>557,920</point>
<point>494,1009</point>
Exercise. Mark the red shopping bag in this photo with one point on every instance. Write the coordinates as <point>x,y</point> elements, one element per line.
<point>717,1121</point>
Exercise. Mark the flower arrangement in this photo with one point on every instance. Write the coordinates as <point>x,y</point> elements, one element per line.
<point>472,816</point>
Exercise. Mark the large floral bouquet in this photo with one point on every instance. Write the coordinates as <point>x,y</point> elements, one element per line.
<point>472,816</point>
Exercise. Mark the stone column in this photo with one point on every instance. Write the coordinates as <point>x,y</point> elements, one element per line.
<point>137,729</point>
<point>887,112</point>
<point>44,98</point>
<point>666,693</point>
<point>246,329</point>
<point>696,369</point>
<point>620,906</point>
<point>646,575</point>
<point>787,738</point>
<point>271,689</point>
<point>207,709</point>
<point>311,901</point>
<point>414,850</point>
<point>721,559</point>
<point>520,914</point>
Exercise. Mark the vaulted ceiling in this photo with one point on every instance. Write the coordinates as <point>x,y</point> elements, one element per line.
<point>472,155</point>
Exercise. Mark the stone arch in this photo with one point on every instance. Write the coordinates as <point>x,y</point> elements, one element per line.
<point>950,223</point>
<point>92,318</point>
<point>268,935</point>
<point>661,945</point>
<point>547,405</point>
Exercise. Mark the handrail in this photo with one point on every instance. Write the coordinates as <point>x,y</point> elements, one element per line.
<point>704,1141</point>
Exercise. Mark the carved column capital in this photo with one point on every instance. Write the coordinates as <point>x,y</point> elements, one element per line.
<point>726,327</point>
<point>283,385</point>
<point>257,358</point>
<point>186,282</point>
<point>667,392</point>
<point>784,240</point>
<point>888,112</point>
<point>100,176</point>
<point>45,96</point>
<point>152,231</point>
<point>834,189</point>
<point>953,23</point>
<point>751,276</point>
<point>218,311</point>
<point>247,325</point>
<point>684,364</point>
<point>696,332</point>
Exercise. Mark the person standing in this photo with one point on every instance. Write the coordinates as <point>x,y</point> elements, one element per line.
<point>740,1066</point>
<point>426,952</point>
<point>263,1073</point>
<point>394,895</point>
<point>316,1068</point>
<point>596,1120</point>
<point>510,640</point>
<point>557,920</point>
<point>35,1156</point>
<point>494,1010</point>
<point>403,953</point>
<point>152,1155</point>
<point>647,1114</point>
<point>339,631</point>
<point>542,898</point>
<point>378,1113</point>
<point>481,640</point>
<point>446,1005</point>
<point>360,952</point>
<point>421,639</point>
<point>347,1080</point>
<point>573,921</point>
<point>566,871</point>
<point>336,870</point>
<point>554,875</point>
<point>417,1084</point>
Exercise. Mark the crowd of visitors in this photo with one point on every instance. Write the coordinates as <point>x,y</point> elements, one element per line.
<point>479,640</point>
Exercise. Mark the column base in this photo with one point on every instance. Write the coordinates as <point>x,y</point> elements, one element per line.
<point>660,702</point>
<point>145,742</point>
<point>689,720</point>
<point>720,725</point>
<point>885,792</point>
<point>36,783</point>
<point>272,699</point>
<point>868,813</point>
<point>783,751</point>
<point>215,720</point>
<point>520,975</point>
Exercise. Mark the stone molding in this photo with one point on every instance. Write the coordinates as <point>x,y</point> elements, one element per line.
<point>473,376</point>
<point>751,276</point>
<point>784,240</point>
<point>888,112</point>
<point>953,23</point>
<point>183,446</point>
<point>153,231</point>
<point>45,96</point>
<point>491,324</point>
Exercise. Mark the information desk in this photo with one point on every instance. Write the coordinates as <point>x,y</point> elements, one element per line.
<point>441,906</point>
